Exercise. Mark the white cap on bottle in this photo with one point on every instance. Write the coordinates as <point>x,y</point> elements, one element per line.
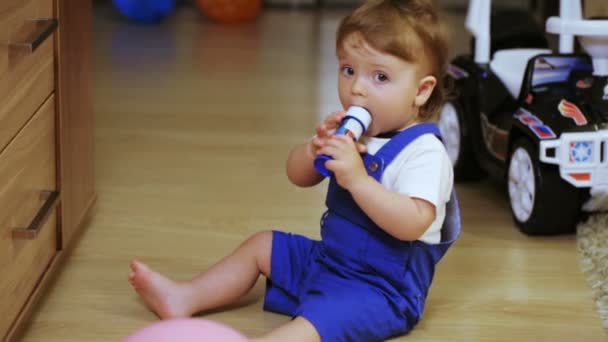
<point>360,114</point>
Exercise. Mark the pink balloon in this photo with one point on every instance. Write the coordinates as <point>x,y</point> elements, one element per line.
<point>186,330</point>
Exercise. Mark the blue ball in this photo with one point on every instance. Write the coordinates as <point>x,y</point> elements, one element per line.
<point>144,11</point>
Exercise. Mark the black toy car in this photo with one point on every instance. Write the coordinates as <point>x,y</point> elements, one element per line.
<point>531,117</point>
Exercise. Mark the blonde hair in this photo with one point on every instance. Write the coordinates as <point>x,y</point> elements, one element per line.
<point>403,28</point>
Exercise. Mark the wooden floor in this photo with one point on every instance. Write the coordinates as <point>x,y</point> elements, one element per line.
<point>194,123</point>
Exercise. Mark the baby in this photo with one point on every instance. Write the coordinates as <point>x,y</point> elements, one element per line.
<point>391,212</point>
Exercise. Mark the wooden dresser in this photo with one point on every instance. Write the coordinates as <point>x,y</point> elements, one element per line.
<point>46,146</point>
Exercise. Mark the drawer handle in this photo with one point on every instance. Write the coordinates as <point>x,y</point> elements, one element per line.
<point>51,199</point>
<point>43,28</point>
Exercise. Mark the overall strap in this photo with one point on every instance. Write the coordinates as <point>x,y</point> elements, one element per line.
<point>340,201</point>
<point>391,149</point>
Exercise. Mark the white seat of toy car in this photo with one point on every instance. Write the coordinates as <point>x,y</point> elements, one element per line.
<point>509,66</point>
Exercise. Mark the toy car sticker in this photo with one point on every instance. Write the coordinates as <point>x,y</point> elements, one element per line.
<point>570,110</point>
<point>535,124</point>
<point>457,72</point>
<point>526,117</point>
<point>556,69</point>
<point>522,112</point>
<point>542,131</point>
<point>580,151</point>
<point>528,120</point>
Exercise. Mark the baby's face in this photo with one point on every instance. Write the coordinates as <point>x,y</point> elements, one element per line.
<point>384,84</point>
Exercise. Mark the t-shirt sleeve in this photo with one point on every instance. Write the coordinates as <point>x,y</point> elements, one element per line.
<point>426,173</point>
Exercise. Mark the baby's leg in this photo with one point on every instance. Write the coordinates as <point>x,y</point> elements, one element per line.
<point>222,284</point>
<point>298,330</point>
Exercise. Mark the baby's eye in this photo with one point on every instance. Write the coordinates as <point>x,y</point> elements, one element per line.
<point>380,77</point>
<point>348,71</point>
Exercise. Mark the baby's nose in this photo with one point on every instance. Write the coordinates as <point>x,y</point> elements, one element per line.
<point>358,88</point>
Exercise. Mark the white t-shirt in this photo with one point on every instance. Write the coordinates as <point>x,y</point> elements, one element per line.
<point>422,170</point>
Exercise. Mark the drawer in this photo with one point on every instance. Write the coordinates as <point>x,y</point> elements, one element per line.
<point>26,62</point>
<point>27,173</point>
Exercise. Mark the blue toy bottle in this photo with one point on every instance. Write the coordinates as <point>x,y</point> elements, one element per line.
<point>354,124</point>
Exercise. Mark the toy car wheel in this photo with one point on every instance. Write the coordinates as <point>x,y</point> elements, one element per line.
<point>457,144</point>
<point>541,202</point>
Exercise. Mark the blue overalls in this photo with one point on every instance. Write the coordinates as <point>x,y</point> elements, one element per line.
<point>358,283</point>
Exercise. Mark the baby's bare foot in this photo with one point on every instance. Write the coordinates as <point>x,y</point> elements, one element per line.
<point>165,297</point>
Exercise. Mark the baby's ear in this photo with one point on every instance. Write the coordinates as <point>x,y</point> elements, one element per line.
<point>425,89</point>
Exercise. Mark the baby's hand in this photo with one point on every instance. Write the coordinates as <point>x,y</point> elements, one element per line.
<point>326,130</point>
<point>346,163</point>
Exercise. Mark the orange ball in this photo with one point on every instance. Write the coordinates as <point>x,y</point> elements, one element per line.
<point>230,11</point>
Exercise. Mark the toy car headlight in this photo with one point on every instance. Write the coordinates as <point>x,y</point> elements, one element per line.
<point>580,152</point>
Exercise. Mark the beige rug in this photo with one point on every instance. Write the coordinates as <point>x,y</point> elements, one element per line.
<point>592,237</point>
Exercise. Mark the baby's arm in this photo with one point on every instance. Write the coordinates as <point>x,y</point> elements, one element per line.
<point>423,175</point>
<point>404,217</point>
<point>300,166</point>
